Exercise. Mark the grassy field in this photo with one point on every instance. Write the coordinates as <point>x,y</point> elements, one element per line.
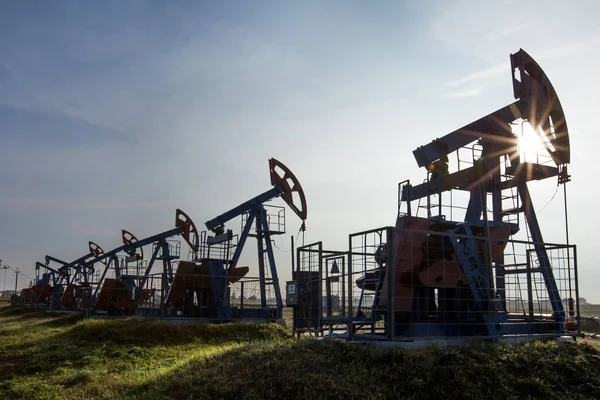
<point>52,357</point>
<point>589,310</point>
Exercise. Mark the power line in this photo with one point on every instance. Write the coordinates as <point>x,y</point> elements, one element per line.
<point>549,201</point>
<point>20,272</point>
<point>285,251</point>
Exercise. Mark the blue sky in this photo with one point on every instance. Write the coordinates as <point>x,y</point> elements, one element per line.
<point>113,114</point>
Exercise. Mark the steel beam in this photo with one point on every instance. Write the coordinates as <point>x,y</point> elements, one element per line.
<point>491,127</point>
<point>244,207</point>
<point>542,255</point>
<point>271,257</point>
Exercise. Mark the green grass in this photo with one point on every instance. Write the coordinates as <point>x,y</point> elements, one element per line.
<point>52,357</point>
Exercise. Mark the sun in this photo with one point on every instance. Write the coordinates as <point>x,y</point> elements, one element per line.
<point>530,142</point>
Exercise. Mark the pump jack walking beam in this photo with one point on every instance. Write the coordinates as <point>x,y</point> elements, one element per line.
<point>284,186</point>
<point>162,249</point>
<point>537,102</point>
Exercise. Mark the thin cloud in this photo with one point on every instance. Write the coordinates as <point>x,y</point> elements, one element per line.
<point>30,203</point>
<point>470,85</point>
<point>571,49</point>
<point>502,33</point>
<point>485,75</point>
<point>477,82</point>
<point>468,92</point>
<point>31,127</point>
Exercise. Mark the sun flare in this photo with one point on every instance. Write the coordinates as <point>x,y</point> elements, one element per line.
<point>530,143</point>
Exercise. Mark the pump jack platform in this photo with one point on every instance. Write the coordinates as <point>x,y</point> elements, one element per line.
<point>438,276</point>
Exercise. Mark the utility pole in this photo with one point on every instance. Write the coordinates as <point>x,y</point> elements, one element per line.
<point>16,279</point>
<point>4,267</point>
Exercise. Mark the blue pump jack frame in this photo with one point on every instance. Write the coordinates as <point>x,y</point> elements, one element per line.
<point>79,265</point>
<point>53,273</point>
<point>57,282</point>
<point>476,269</point>
<point>542,255</point>
<point>63,274</point>
<point>256,214</point>
<point>479,272</point>
<point>57,279</point>
<point>218,271</point>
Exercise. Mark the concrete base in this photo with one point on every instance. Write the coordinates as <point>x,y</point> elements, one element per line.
<point>443,343</point>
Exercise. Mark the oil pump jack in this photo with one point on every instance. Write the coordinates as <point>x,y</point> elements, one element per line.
<point>443,275</point>
<point>477,281</point>
<point>202,287</point>
<point>47,288</point>
<point>124,292</point>
<point>60,287</point>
